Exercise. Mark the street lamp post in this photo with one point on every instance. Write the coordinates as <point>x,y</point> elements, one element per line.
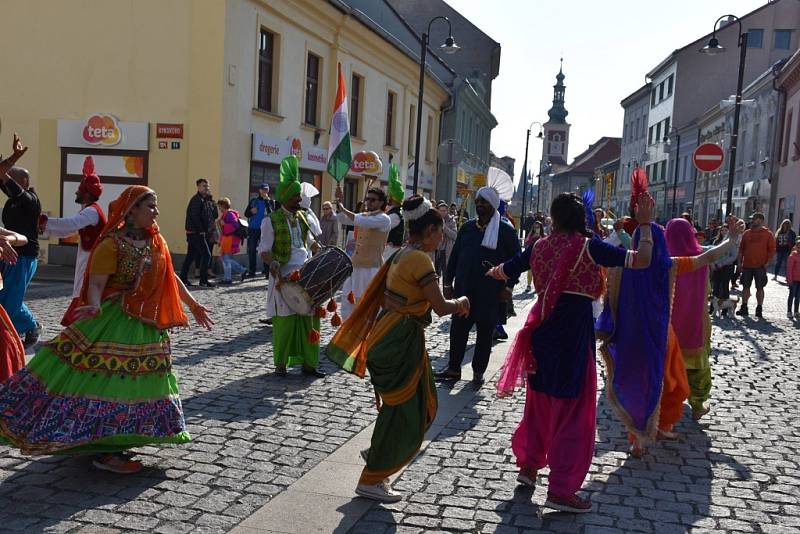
<point>712,48</point>
<point>525,172</point>
<point>546,169</point>
<point>675,170</point>
<point>449,47</point>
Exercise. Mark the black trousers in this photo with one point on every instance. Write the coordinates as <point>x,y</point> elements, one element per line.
<point>721,282</point>
<point>198,252</point>
<point>253,237</point>
<point>459,334</point>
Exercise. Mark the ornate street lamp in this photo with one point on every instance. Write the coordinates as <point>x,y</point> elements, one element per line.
<point>668,141</point>
<point>540,135</point>
<point>713,48</point>
<point>449,47</point>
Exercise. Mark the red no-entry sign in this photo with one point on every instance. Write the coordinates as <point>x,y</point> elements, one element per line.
<point>708,157</point>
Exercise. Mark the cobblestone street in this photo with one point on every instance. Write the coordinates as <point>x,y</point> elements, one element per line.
<point>255,434</point>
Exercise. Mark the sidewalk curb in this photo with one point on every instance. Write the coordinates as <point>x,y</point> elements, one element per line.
<point>323,500</point>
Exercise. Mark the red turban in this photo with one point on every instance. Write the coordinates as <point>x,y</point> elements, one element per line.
<point>91,182</point>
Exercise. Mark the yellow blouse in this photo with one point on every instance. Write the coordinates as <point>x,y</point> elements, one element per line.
<point>408,276</point>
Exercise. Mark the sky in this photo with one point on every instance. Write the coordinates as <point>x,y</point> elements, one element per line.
<point>607,46</point>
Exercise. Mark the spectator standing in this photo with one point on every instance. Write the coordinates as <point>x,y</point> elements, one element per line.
<point>448,239</point>
<point>20,215</point>
<point>229,242</point>
<point>793,279</point>
<point>784,243</point>
<point>197,227</point>
<point>258,208</point>
<point>711,232</point>
<point>722,269</point>
<point>214,221</point>
<point>755,252</point>
<point>329,226</point>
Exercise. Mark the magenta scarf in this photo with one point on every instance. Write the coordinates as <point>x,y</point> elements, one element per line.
<point>520,360</point>
<point>691,289</point>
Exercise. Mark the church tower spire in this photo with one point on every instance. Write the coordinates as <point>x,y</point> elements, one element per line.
<point>558,113</point>
<point>555,148</point>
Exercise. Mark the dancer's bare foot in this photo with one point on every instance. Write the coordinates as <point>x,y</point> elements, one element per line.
<point>666,435</point>
<point>636,450</point>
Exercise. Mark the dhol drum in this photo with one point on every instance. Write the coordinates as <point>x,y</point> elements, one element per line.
<point>320,278</point>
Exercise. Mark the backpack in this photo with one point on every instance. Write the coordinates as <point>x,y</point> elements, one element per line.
<point>241,230</point>
<point>241,225</point>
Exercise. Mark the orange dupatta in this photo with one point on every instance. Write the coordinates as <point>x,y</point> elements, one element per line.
<point>155,299</point>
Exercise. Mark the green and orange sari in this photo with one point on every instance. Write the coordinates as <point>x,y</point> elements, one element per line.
<point>386,336</point>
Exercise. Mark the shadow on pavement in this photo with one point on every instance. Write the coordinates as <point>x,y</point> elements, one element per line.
<point>246,399</point>
<point>52,490</point>
<point>244,341</point>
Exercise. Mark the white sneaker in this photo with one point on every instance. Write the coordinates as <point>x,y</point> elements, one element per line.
<point>379,492</point>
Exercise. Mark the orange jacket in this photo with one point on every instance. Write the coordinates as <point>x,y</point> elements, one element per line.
<point>757,248</point>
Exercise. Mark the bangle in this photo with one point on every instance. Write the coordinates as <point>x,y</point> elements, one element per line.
<point>194,306</point>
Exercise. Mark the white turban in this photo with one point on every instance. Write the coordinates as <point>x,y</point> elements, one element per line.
<point>490,195</point>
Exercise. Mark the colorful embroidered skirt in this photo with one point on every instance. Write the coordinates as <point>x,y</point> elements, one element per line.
<point>104,384</point>
<point>12,353</point>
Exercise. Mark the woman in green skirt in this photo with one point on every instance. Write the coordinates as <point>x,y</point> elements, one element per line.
<point>105,383</point>
<point>386,335</point>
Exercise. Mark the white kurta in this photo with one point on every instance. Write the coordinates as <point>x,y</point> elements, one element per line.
<point>67,226</point>
<point>276,305</point>
<point>391,249</point>
<point>362,276</point>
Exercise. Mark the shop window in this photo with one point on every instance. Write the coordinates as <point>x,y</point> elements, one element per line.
<point>391,98</point>
<point>350,191</point>
<point>118,169</point>
<point>261,173</point>
<point>356,90</point>
<point>312,89</point>
<point>266,63</point>
<point>314,178</point>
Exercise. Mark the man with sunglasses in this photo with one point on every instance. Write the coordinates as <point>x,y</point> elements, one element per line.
<point>371,229</point>
<point>481,244</point>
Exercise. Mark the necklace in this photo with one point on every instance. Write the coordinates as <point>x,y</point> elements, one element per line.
<point>135,234</point>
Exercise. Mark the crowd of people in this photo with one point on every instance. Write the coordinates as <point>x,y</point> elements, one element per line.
<point>104,384</point>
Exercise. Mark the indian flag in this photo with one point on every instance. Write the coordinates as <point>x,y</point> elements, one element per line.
<point>339,154</point>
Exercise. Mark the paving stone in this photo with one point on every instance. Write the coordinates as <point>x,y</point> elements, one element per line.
<point>254,435</point>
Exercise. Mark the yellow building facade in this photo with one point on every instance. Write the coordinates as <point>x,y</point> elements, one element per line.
<point>162,92</point>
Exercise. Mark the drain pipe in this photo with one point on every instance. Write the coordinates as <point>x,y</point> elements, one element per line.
<point>774,178</point>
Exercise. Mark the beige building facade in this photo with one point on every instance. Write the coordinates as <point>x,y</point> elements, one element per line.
<point>168,91</point>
